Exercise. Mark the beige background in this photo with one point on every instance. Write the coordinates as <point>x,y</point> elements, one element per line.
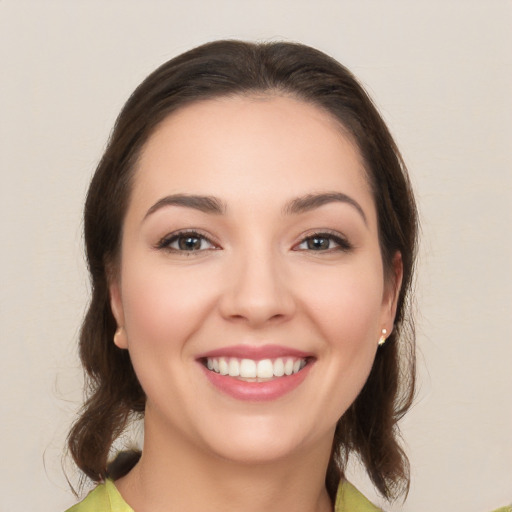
<point>441,72</point>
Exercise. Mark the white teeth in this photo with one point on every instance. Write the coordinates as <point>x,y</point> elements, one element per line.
<point>234,367</point>
<point>265,369</point>
<point>251,369</point>
<point>279,367</point>
<point>223,366</point>
<point>288,367</point>
<point>248,369</point>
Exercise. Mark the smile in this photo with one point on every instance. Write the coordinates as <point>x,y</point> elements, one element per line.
<point>255,371</point>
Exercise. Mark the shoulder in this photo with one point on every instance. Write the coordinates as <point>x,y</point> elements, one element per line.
<point>104,498</point>
<point>348,498</point>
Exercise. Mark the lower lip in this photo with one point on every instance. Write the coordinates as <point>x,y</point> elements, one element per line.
<point>256,391</point>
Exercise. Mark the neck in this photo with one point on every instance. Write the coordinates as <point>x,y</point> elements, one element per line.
<point>173,475</point>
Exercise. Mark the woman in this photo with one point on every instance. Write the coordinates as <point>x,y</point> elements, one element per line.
<point>251,233</point>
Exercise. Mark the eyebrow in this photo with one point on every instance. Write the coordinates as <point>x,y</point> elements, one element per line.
<point>206,204</point>
<point>312,201</point>
<point>213,205</point>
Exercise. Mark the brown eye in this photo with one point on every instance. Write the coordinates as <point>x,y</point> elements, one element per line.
<point>324,242</point>
<point>318,243</point>
<point>188,241</point>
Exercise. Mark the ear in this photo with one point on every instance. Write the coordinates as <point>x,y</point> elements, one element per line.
<point>116,305</point>
<point>392,292</point>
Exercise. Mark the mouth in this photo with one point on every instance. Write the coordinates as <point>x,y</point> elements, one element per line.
<point>252,370</point>
<point>256,373</point>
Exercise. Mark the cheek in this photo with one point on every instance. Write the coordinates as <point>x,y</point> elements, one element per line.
<point>347,306</point>
<point>346,312</point>
<point>164,307</point>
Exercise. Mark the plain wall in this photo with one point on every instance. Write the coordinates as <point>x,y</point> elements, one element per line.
<point>441,74</point>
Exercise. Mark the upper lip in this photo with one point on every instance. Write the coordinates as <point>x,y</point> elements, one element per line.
<point>256,352</point>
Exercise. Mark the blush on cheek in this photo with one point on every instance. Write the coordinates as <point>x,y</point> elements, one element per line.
<point>162,307</point>
<point>349,312</point>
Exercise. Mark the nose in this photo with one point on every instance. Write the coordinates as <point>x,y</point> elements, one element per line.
<point>257,291</point>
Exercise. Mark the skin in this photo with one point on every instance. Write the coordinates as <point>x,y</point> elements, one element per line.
<point>256,278</point>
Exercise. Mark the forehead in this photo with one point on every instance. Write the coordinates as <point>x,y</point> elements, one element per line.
<point>250,146</point>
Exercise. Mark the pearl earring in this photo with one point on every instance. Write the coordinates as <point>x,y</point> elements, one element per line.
<point>382,339</point>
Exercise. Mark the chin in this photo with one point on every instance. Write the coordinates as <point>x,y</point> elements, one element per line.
<point>257,441</point>
<point>251,452</point>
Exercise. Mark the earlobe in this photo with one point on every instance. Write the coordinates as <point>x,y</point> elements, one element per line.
<point>120,338</point>
<point>383,338</point>
<point>116,306</point>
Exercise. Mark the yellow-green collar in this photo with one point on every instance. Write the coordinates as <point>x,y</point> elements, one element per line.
<point>106,498</point>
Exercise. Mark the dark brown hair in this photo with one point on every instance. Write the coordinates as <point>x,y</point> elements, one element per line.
<point>224,68</point>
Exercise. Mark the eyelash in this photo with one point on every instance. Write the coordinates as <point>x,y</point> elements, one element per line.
<point>342,244</point>
<point>166,241</point>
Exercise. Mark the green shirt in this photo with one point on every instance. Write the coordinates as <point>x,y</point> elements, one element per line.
<point>106,498</point>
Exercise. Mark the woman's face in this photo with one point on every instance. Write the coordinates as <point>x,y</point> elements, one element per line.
<point>251,288</point>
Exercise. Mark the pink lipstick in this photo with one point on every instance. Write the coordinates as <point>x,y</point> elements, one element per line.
<point>256,373</point>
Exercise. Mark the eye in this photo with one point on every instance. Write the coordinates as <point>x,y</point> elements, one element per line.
<point>186,241</point>
<point>324,242</point>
